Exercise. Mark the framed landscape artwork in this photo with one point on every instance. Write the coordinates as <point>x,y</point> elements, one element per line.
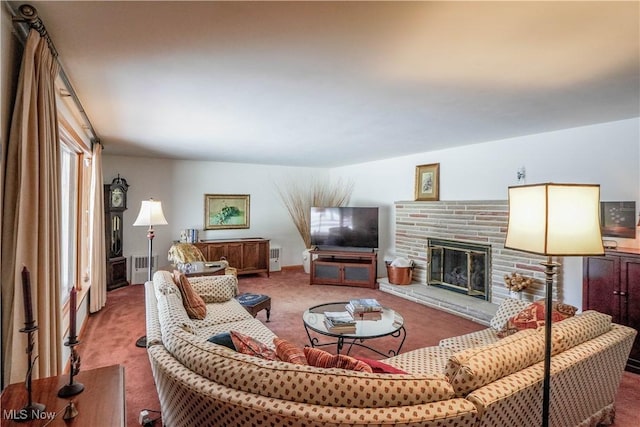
<point>225,211</point>
<point>617,219</point>
<point>428,182</point>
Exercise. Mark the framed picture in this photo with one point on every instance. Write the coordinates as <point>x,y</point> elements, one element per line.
<point>224,211</point>
<point>428,182</point>
<point>618,219</point>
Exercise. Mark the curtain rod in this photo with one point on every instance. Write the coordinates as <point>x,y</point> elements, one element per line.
<point>27,16</point>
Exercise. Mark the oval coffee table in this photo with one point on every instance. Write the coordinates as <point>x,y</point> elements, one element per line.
<point>391,324</point>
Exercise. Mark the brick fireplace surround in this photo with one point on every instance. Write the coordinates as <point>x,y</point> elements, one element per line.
<point>465,221</point>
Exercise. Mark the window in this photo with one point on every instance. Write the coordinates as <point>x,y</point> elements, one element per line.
<point>74,193</point>
<point>69,220</point>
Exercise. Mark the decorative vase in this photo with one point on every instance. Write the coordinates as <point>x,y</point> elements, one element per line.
<point>306,260</point>
<point>515,294</point>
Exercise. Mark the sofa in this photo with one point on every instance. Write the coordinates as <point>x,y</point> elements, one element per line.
<point>476,379</point>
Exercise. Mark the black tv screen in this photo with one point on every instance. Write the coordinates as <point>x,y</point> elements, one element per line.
<point>344,227</point>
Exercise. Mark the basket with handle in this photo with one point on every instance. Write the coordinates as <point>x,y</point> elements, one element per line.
<point>399,275</point>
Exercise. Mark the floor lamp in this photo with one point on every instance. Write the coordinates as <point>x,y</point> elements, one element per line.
<point>554,220</point>
<point>150,214</point>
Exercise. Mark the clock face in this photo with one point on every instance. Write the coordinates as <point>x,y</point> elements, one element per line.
<point>117,198</point>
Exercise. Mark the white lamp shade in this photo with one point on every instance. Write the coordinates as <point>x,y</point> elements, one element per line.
<point>555,219</point>
<point>150,213</point>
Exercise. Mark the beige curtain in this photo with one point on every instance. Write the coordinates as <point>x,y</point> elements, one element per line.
<point>31,217</point>
<point>97,256</point>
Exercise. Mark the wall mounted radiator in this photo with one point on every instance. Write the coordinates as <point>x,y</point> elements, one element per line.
<point>140,268</point>
<point>274,258</point>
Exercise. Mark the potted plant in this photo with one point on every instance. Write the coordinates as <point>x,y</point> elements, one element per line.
<point>299,198</point>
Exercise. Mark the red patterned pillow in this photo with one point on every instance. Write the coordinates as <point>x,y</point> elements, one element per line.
<point>248,345</point>
<point>379,367</point>
<point>322,359</point>
<point>193,303</point>
<point>289,352</point>
<point>533,316</point>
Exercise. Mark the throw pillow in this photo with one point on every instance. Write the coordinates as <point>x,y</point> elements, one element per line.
<point>322,359</point>
<point>379,367</point>
<point>248,345</point>
<point>193,303</point>
<point>533,316</point>
<point>224,339</point>
<point>289,352</point>
<point>215,288</point>
<point>508,308</point>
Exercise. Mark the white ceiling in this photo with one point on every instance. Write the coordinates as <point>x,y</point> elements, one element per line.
<point>333,83</point>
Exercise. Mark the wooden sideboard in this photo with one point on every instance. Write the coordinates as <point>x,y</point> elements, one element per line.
<point>611,285</point>
<point>101,403</point>
<point>248,256</point>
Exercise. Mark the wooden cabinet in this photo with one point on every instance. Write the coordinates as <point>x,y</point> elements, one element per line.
<point>611,284</point>
<point>344,268</point>
<point>116,272</point>
<point>248,256</point>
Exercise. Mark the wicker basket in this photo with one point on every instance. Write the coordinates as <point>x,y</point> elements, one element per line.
<point>399,275</point>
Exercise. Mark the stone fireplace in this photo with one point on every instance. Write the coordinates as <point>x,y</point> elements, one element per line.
<point>480,228</point>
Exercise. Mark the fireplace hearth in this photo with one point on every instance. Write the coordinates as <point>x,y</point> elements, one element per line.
<point>459,267</point>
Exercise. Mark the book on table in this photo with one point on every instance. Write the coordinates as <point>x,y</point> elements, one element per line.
<point>339,321</point>
<point>340,328</point>
<point>365,315</point>
<point>339,317</point>
<point>364,305</point>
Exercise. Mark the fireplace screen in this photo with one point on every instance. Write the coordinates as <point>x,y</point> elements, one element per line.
<point>460,267</point>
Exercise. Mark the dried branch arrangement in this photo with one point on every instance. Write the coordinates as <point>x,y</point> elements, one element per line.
<point>516,282</point>
<point>299,198</point>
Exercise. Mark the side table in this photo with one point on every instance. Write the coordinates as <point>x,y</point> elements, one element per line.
<point>102,403</point>
<point>254,303</point>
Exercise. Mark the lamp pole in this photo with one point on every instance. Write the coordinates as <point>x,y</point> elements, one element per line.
<point>550,271</point>
<point>150,236</point>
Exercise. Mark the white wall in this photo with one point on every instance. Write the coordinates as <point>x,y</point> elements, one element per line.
<point>181,186</point>
<point>607,154</point>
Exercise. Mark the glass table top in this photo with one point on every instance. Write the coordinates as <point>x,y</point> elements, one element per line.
<point>390,322</point>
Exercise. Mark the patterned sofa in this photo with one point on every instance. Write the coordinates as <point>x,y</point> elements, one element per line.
<point>458,383</point>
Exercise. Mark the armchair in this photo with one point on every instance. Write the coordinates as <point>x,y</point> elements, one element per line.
<point>184,252</point>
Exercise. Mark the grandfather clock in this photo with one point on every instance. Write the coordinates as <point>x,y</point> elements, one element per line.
<point>115,203</point>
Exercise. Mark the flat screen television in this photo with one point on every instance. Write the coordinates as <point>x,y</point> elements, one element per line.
<point>344,227</point>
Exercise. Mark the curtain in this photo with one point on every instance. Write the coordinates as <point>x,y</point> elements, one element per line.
<point>97,252</point>
<point>31,217</point>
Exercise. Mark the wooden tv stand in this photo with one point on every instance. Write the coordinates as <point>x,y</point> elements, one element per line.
<point>348,268</point>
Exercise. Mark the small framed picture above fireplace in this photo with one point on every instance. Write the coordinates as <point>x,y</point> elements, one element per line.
<point>618,219</point>
<point>428,182</point>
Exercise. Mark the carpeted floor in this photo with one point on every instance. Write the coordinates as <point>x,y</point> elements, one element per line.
<point>109,336</point>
